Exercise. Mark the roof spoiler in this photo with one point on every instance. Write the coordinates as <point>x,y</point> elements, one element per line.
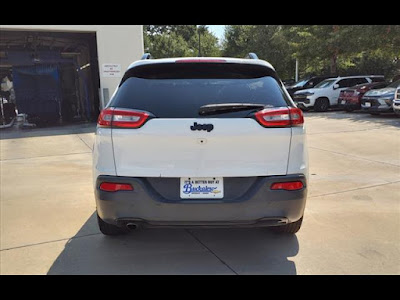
<point>251,55</point>
<point>146,56</point>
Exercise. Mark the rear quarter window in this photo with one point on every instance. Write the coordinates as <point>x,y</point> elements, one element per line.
<point>180,94</point>
<point>351,82</point>
<point>377,79</point>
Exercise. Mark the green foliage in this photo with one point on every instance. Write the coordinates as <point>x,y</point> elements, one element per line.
<point>267,41</point>
<point>320,49</point>
<point>179,41</point>
<point>168,45</point>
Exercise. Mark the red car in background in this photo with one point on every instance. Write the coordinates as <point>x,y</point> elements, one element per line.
<point>350,99</point>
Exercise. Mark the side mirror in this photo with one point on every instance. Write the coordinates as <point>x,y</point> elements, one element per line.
<point>335,86</point>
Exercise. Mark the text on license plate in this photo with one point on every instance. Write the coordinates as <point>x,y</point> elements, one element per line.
<point>202,187</point>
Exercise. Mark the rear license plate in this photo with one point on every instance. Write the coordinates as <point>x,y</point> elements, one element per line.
<point>202,187</point>
<point>367,104</point>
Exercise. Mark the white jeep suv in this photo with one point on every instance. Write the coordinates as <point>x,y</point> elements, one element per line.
<point>326,94</point>
<point>200,142</point>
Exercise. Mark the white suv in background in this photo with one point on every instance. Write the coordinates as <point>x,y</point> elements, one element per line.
<point>326,93</point>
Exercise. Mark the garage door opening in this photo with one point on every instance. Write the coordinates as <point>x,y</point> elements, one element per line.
<point>52,77</point>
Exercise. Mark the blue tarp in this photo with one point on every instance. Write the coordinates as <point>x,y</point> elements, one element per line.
<point>30,58</point>
<point>38,91</point>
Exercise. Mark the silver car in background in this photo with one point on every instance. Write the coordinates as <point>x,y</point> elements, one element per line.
<point>380,100</point>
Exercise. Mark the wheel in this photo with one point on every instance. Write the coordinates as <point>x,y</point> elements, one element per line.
<point>109,229</point>
<point>291,228</point>
<point>321,104</point>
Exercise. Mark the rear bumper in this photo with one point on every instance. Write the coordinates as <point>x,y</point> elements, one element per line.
<point>264,222</point>
<point>380,109</point>
<point>349,105</point>
<point>396,106</point>
<point>258,206</point>
<point>303,103</point>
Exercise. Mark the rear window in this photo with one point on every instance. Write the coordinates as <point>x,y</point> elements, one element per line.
<point>377,79</point>
<point>325,83</point>
<point>178,94</point>
<point>394,84</point>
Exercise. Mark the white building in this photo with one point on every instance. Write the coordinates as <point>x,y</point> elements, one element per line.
<point>72,69</point>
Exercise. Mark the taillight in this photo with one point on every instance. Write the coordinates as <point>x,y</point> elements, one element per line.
<point>280,117</point>
<point>287,186</point>
<point>105,117</point>
<point>128,118</point>
<point>296,116</point>
<point>122,118</point>
<point>114,187</point>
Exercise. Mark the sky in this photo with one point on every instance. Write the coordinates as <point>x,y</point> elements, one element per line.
<point>218,30</point>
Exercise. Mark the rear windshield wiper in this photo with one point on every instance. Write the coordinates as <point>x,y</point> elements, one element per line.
<point>214,109</point>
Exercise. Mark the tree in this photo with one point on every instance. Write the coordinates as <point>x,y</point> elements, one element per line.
<point>321,49</point>
<point>345,49</point>
<point>267,41</point>
<point>179,41</point>
<point>209,43</point>
<point>167,45</point>
<point>237,39</point>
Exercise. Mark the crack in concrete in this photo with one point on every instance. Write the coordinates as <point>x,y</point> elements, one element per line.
<point>355,156</point>
<point>351,190</point>
<point>346,131</point>
<point>48,242</point>
<point>212,252</point>
<point>11,159</point>
<point>84,142</point>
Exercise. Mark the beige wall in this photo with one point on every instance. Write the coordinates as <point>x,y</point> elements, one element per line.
<point>117,44</point>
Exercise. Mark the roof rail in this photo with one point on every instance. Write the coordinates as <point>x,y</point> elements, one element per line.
<point>251,55</point>
<point>146,56</point>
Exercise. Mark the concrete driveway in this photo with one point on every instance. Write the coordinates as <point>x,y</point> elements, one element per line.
<point>351,223</point>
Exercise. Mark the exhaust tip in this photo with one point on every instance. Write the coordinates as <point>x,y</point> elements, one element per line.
<point>132,226</point>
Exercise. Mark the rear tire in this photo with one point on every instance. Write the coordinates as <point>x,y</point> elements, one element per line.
<point>290,228</point>
<point>321,104</point>
<point>109,229</point>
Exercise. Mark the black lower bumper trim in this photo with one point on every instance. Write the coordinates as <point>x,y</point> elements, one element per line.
<point>264,222</point>
<point>351,106</point>
<point>374,109</point>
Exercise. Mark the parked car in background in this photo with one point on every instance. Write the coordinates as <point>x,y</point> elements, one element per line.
<point>326,94</point>
<point>305,84</point>
<point>381,100</point>
<point>350,99</point>
<point>396,101</point>
<point>289,82</point>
